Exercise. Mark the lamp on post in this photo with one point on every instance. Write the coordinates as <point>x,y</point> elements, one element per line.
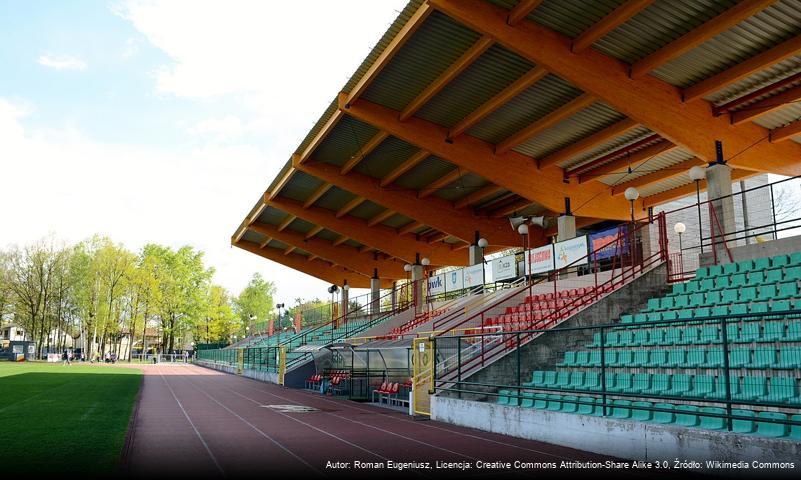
<point>696,175</point>
<point>680,228</point>
<point>522,229</point>
<point>631,195</point>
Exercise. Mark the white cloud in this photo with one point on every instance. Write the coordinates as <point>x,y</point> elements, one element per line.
<point>223,129</point>
<point>62,62</point>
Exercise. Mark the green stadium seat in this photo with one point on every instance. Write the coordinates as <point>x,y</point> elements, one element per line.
<point>722,282</point>
<point>701,312</point>
<point>702,272</point>
<point>627,319</point>
<point>692,286</point>
<point>697,299</point>
<point>595,359</point>
<point>549,379</point>
<point>654,316</point>
<point>762,263</point>
<point>582,358</point>
<point>666,303</point>
<point>729,268</point>
<point>737,280</point>
<point>655,337</point>
<point>507,397</point>
<point>620,409</point>
<point>677,358</point>
<point>588,406</point>
<point>712,298</point>
<point>687,416</point>
<point>715,270</point>
<point>685,314</point>
<point>642,336</point>
<point>795,430</point>
<point>554,402</point>
<point>756,277</point>
<point>729,295</point>
<point>703,385</point>
<point>660,383</point>
<point>770,428</point>
<point>576,380</point>
<point>540,401</point>
<point>528,400</point>
<point>759,307</point>
<point>592,381</point>
<point>743,425</point>
<point>640,358</point>
<point>695,358</point>
<point>732,333</point>
<point>611,379</point>
<point>626,338</point>
<point>795,258</point>
<point>624,359</point>
<point>610,357</point>
<point>752,388</point>
<point>639,382</point>
<point>596,341</point>
<point>707,284</point>
<point>788,290</point>
<point>679,385</point>
<point>562,379</point>
<point>780,260</point>
<point>569,360</point>
<point>709,334</point>
<point>569,404</point>
<point>793,331</point>
<point>658,359</point>
<point>719,392</point>
<point>679,289</point>
<point>720,311</point>
<point>643,413</point>
<point>672,336</point>
<point>763,358</point>
<point>793,273</point>
<point>750,332</point>
<point>789,358</point>
<point>670,315</point>
<point>665,417</point>
<point>739,357</point>
<point>653,305</point>
<point>780,306</point>
<point>774,332</point>
<point>712,422</point>
<point>748,294</point>
<point>766,292</point>
<point>681,301</point>
<point>774,275</point>
<point>714,358</point>
<point>780,390</point>
<point>738,309</point>
<point>745,266</point>
<point>611,339</point>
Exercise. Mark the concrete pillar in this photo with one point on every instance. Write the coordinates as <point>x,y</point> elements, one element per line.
<point>375,295</point>
<point>419,295</point>
<point>474,255</point>
<point>718,186</point>
<point>344,304</point>
<point>565,227</point>
<point>394,295</point>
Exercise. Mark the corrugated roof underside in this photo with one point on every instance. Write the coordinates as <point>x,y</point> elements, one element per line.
<point>385,157</point>
<point>658,163</point>
<point>345,140</point>
<point>465,185</point>
<point>424,173</point>
<point>572,17</point>
<point>628,138</point>
<point>300,186</point>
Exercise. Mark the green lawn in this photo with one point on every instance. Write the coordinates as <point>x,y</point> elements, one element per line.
<point>64,418</point>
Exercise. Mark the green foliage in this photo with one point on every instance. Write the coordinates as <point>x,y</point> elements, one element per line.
<point>255,301</point>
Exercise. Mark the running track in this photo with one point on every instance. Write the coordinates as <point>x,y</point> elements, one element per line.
<point>192,421</point>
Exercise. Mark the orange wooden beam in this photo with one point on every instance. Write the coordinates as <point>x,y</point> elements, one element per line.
<point>647,100</point>
<point>350,206</point>
<point>507,210</point>
<point>285,223</point>
<point>316,268</point>
<point>342,255</point>
<point>328,126</point>
<point>520,85</point>
<point>283,181</point>
<point>763,107</point>
<point>404,167</point>
<point>588,143</point>
<point>442,182</point>
<point>668,172</point>
<point>633,160</point>
<point>380,217</point>
<point>410,227</point>
<point>478,195</point>
<point>717,82</point>
<point>314,231</point>
<point>521,11</point>
<point>364,151</point>
<point>394,46</point>
<point>339,241</point>
<point>316,195</point>
<point>289,249</point>
<point>685,190</point>
<point>380,237</point>
<point>432,211</point>
<point>265,242</point>
<point>467,58</point>
<point>610,22</point>
<point>567,110</point>
<point>519,173</point>
<point>697,36</point>
<point>783,133</point>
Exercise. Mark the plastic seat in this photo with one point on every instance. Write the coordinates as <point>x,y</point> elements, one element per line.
<point>653,316</point>
<point>749,333</point>
<point>610,357</point>
<point>640,318</point>
<point>655,337</point>
<point>722,282</point>
<point>763,358</point>
<point>720,311</point>
<point>756,277</point>
<point>793,331</point>
<point>660,383</point>
<point>712,422</point>
<point>679,385</point>
<point>528,400</point>
<point>554,402</point>
<point>568,404</point>
<point>772,429</point>
<point>664,417</point>
<point>701,312</point>
<point>595,359</point>
<point>569,360</point>
<point>685,314</point>
<point>689,336</point>
<point>707,284</point>
<point>780,306</point>
<point>729,295</point>
<point>620,409</point>
<point>592,381</point>
<point>640,358</point>
<point>758,307</point>
<point>687,416</point>
<point>780,260</point>
<point>745,266</point>
<point>562,379</point>
<point>677,358</point>
<point>505,397</point>
<point>696,357</point>
<point>624,359</point>
<point>672,336</point>
<point>653,305</point>
<point>744,425</point>
<point>793,273</point>
<point>714,358</point>
<point>658,359</point>
<point>738,309</point>
<point>702,272</point>
<point>642,414</point>
<point>692,286</point>
<point>621,382</point>
<point>752,388</point>
<point>679,288</point>
<point>582,358</point>
<point>739,357</point>
<point>709,334</point>
<point>766,292</point>
<point>642,337</point>
<point>789,358</point>
<point>729,268</point>
<point>626,338</point>
<point>611,339</point>
<point>781,389</point>
<point>787,290</point>
<point>540,401</point>
<point>666,303</point>
<point>703,385</point>
<point>670,315</point>
<point>732,333</point>
<point>697,299</point>
<point>596,340</point>
<point>681,301</point>
<point>576,381</point>
<point>588,406</point>
<point>774,275</point>
<point>626,319</point>
<point>549,379</point>
<point>761,263</point>
<point>712,298</point>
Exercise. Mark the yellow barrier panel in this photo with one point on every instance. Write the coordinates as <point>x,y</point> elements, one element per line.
<point>281,364</point>
<point>423,380</point>
<point>240,361</point>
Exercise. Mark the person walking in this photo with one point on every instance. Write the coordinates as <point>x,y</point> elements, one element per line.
<point>65,357</point>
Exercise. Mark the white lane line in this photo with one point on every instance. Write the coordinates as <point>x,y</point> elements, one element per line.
<point>257,429</point>
<point>186,415</point>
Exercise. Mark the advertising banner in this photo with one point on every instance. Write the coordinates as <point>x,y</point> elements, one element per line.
<point>454,280</point>
<point>604,243</point>
<point>504,268</point>
<point>436,284</point>
<point>474,276</point>
<point>571,252</point>
<point>539,259</point>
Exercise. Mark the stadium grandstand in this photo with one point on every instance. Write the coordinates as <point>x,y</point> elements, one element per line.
<point>578,222</point>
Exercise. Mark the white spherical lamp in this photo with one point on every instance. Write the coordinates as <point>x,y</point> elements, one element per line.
<point>407,268</point>
<point>522,229</point>
<point>482,242</point>
<point>679,228</point>
<point>697,173</point>
<point>631,194</point>
<point>425,261</point>
<point>346,287</point>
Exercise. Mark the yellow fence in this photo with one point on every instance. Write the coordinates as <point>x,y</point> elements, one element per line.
<point>281,364</point>
<point>423,380</point>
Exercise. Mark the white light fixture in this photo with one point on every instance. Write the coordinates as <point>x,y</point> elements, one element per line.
<point>482,242</point>
<point>697,173</point>
<point>631,194</point>
<point>425,261</point>
<point>407,268</point>
<point>346,287</point>
<point>522,229</point>
<point>679,228</point>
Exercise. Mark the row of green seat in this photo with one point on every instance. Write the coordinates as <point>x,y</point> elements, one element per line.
<point>754,331</point>
<point>785,358</point>
<point>765,293</point>
<point>762,263</point>
<point>777,389</point>
<point>710,418</point>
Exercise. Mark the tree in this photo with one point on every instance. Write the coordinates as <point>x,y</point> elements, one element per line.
<point>256,300</point>
<point>220,323</point>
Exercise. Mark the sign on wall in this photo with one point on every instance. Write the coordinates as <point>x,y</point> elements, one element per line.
<point>504,268</point>
<point>604,243</point>
<point>539,260</point>
<point>473,275</point>
<point>454,280</point>
<point>436,284</point>
<point>571,252</point>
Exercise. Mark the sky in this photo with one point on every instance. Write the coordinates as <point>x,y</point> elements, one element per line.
<point>163,121</point>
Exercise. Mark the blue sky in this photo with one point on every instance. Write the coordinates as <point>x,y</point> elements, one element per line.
<point>164,120</point>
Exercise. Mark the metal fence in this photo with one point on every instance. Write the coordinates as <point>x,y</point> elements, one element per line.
<point>724,372</point>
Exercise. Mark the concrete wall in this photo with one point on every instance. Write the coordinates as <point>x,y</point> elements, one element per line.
<point>269,377</point>
<point>782,246</point>
<point>626,439</point>
<point>543,352</point>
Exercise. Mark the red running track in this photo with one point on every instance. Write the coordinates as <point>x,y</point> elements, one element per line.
<point>196,422</point>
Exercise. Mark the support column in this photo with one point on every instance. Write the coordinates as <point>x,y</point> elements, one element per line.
<point>419,296</point>
<point>375,293</point>
<point>394,296</point>
<point>565,227</point>
<point>718,187</point>
<point>344,302</point>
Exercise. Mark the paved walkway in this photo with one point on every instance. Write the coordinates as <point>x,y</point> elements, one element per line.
<point>193,421</point>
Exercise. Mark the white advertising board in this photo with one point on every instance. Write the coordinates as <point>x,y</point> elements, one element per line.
<point>436,284</point>
<point>571,252</point>
<point>539,259</point>
<point>454,280</point>
<point>473,276</point>
<point>504,268</point>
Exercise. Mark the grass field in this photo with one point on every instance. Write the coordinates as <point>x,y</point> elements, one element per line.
<point>64,419</point>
